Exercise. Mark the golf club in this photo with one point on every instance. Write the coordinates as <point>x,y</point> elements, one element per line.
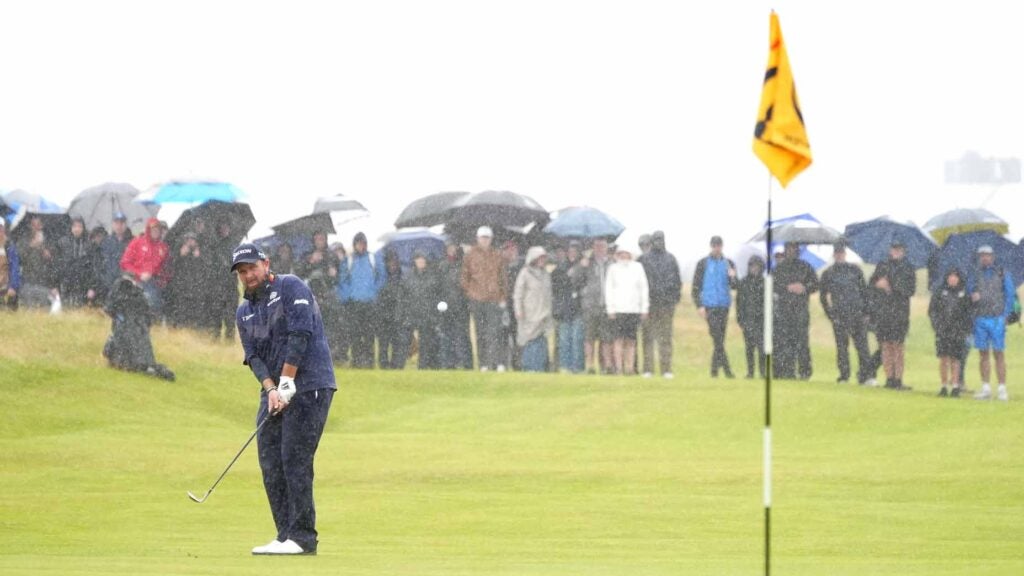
<point>199,500</point>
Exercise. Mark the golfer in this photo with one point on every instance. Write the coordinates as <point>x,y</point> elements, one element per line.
<point>283,338</point>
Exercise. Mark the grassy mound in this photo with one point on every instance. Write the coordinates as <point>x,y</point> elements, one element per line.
<point>464,473</point>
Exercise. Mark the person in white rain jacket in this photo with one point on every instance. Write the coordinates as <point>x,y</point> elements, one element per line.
<point>627,300</point>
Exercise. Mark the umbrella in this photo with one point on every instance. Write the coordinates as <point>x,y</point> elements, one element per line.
<point>801,232</point>
<point>22,200</point>
<point>406,242</point>
<point>337,203</point>
<point>300,245</point>
<point>959,220</point>
<point>871,240</point>
<point>306,225</point>
<point>55,225</point>
<point>497,208</point>
<point>429,210</point>
<point>98,206</point>
<point>238,215</point>
<point>193,192</point>
<point>961,251</point>
<point>584,222</point>
<point>741,256</point>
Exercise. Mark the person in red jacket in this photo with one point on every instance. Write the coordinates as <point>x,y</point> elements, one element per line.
<point>144,259</point>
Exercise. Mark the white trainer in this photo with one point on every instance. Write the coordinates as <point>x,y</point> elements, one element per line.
<point>1002,395</point>
<point>287,548</point>
<point>501,368</point>
<point>264,549</point>
<point>484,368</point>
<point>648,374</point>
<point>985,393</point>
<point>871,382</point>
<point>668,375</point>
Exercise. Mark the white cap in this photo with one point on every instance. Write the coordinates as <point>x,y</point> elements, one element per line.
<point>535,252</point>
<point>484,231</point>
<point>985,249</point>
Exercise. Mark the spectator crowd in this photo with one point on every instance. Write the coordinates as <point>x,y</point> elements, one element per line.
<point>596,301</point>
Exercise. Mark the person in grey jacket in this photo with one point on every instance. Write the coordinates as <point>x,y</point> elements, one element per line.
<point>596,326</point>
<point>665,285</point>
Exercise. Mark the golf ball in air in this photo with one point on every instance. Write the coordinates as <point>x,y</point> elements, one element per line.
<point>442,306</point>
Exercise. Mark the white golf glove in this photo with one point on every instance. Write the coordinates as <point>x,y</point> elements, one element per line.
<point>286,389</point>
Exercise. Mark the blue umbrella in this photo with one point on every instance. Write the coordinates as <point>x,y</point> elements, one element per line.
<point>871,240</point>
<point>21,200</point>
<point>961,251</point>
<point>195,192</point>
<point>407,242</point>
<point>584,222</point>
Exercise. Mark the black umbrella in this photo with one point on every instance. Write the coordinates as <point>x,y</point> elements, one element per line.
<point>497,208</point>
<point>802,232</point>
<point>211,213</point>
<point>306,225</point>
<point>98,206</point>
<point>430,210</point>
<point>55,226</point>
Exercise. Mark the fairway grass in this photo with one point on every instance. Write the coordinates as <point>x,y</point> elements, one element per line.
<point>445,473</point>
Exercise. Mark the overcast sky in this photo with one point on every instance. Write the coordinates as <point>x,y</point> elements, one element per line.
<point>644,109</point>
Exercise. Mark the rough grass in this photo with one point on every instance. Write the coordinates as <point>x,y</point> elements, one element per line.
<point>463,473</point>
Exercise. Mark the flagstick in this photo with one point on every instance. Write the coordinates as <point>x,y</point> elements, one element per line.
<point>768,293</point>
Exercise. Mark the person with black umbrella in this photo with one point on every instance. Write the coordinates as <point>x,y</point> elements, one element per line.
<point>895,282</point>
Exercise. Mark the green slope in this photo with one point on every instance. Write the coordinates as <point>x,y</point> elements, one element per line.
<point>455,473</point>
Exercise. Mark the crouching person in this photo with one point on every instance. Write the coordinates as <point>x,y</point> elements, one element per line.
<point>128,347</point>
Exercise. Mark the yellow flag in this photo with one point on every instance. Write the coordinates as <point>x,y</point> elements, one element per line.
<point>780,139</point>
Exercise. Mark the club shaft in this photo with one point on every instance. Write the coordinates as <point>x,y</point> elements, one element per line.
<point>237,456</point>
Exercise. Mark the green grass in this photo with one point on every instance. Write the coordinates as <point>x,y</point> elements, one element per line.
<point>456,473</point>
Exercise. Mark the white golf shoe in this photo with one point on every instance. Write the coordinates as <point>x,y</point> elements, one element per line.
<point>1002,395</point>
<point>264,549</point>
<point>287,548</point>
<point>984,394</point>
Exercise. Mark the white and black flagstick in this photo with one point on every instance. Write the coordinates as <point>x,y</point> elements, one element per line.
<point>768,315</point>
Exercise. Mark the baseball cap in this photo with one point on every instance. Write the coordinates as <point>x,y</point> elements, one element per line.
<point>897,244</point>
<point>716,240</point>
<point>120,216</point>
<point>985,249</point>
<point>246,253</point>
<point>484,231</point>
